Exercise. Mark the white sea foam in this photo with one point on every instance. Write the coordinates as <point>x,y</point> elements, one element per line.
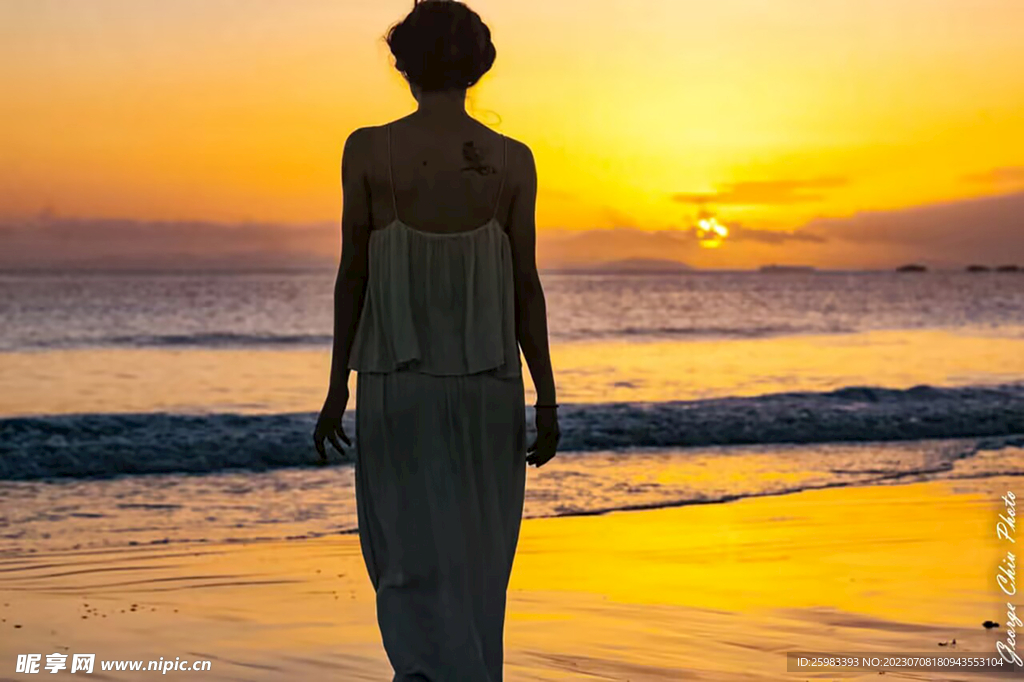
<point>91,445</point>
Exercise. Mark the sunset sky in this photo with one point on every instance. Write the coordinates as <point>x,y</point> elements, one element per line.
<point>787,115</point>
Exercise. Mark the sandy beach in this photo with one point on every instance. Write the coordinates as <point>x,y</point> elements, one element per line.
<point>708,592</point>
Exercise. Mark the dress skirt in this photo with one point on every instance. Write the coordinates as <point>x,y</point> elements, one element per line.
<point>440,476</point>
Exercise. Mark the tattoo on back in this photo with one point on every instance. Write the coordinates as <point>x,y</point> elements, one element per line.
<point>476,163</point>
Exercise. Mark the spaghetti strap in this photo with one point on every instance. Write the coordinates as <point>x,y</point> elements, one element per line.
<point>391,178</point>
<point>504,171</point>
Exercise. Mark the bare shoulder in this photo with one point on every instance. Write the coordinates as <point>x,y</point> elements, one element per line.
<point>519,148</point>
<point>358,145</point>
<point>521,164</point>
<point>522,185</point>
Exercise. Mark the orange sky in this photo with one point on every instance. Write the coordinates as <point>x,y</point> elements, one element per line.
<point>782,110</point>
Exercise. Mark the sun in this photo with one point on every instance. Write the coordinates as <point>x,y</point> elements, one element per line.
<point>710,233</point>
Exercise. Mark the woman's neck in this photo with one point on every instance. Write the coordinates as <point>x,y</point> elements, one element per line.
<point>443,105</point>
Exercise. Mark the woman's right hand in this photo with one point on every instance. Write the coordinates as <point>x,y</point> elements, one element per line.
<point>328,424</point>
<point>548,435</point>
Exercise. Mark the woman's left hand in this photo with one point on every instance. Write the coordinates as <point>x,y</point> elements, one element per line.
<point>328,424</point>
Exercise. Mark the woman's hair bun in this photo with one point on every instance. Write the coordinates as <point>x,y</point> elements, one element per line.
<point>441,44</point>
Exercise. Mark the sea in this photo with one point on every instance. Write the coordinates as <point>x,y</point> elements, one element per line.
<point>174,407</point>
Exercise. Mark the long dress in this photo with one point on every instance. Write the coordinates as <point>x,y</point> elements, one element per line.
<point>440,446</point>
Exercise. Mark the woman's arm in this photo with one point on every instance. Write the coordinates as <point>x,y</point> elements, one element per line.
<point>531,307</point>
<point>350,285</point>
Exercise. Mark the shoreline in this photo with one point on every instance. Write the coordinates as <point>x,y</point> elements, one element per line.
<point>714,591</point>
<point>240,506</point>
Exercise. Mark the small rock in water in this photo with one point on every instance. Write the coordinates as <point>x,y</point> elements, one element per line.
<point>988,624</point>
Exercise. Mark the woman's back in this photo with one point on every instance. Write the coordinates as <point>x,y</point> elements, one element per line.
<point>440,177</point>
<point>439,302</point>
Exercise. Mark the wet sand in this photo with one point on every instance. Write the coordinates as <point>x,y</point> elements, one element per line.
<point>708,592</point>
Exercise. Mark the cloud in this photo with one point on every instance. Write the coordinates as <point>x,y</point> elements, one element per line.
<point>998,176</point>
<point>738,233</point>
<point>617,218</point>
<point>765,192</point>
<point>984,230</point>
<point>50,242</point>
<point>562,248</point>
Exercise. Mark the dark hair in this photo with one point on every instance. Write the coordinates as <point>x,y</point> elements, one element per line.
<point>441,45</point>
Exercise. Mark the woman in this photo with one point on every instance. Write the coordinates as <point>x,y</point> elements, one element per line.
<point>436,293</point>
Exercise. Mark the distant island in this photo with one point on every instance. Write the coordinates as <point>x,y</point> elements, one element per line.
<point>985,268</point>
<point>628,265</point>
<point>912,267</point>
<point>780,269</point>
